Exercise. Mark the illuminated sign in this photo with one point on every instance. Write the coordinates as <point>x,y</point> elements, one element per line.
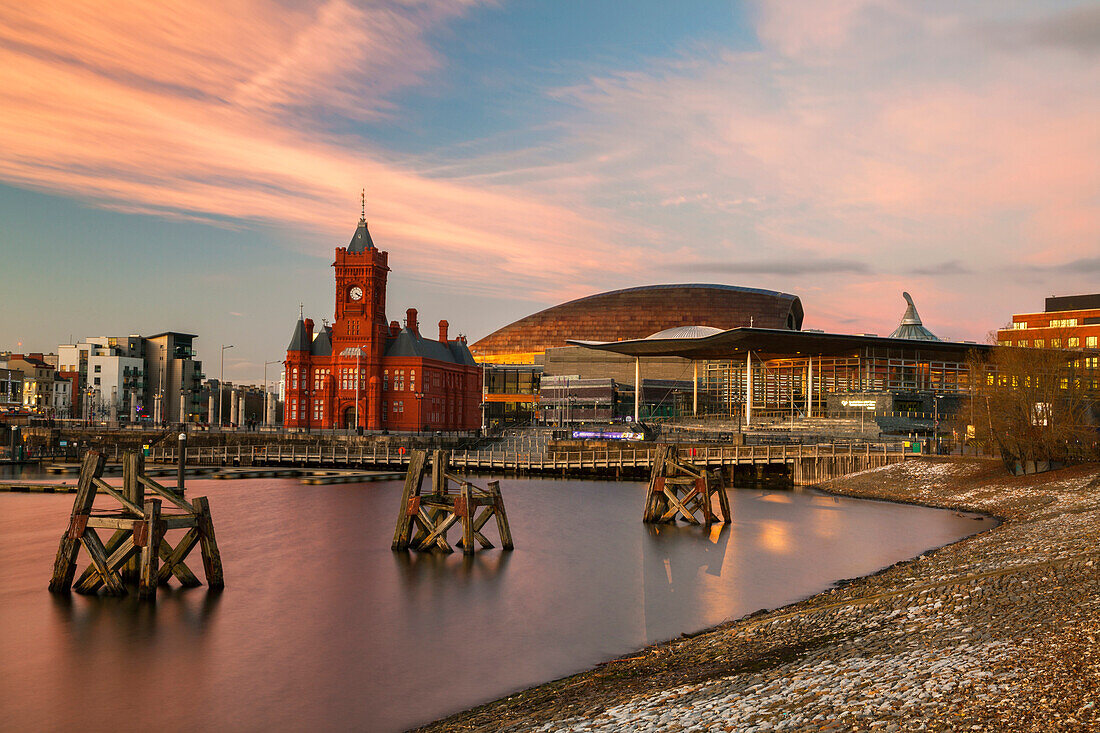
<point>860,404</point>
<point>596,435</point>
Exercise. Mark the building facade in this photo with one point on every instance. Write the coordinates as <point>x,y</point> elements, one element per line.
<point>365,371</point>
<point>44,393</point>
<point>1067,322</point>
<point>11,390</point>
<point>173,378</point>
<point>134,377</point>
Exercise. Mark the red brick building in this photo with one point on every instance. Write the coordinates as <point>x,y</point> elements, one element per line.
<point>1068,322</point>
<point>398,379</point>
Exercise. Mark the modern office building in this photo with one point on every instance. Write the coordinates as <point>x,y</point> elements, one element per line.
<point>134,377</point>
<point>1066,322</point>
<point>173,378</point>
<point>753,374</point>
<point>365,371</point>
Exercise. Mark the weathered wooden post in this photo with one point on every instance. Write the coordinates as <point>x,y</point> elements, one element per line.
<point>211,556</point>
<point>149,541</point>
<point>64,567</point>
<point>133,466</point>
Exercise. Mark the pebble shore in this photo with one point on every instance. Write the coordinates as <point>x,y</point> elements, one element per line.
<point>996,632</point>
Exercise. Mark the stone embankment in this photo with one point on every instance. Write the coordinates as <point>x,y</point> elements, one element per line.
<point>996,632</point>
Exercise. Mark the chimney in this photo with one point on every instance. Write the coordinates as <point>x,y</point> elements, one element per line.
<point>309,329</point>
<point>410,321</point>
<point>443,331</point>
<point>395,328</point>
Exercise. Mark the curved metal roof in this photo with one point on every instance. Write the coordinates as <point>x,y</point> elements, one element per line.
<point>685,332</point>
<point>634,313</point>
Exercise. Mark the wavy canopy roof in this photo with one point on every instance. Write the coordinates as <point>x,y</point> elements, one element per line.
<point>636,313</point>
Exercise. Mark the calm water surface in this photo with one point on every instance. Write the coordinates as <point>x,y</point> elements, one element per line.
<point>322,627</point>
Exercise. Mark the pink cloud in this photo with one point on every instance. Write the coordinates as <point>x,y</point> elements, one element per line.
<point>85,112</point>
<point>888,130</point>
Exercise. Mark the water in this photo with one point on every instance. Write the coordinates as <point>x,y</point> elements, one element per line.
<point>322,627</point>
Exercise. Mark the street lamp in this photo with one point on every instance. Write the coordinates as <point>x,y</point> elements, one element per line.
<point>221,384</point>
<point>266,363</point>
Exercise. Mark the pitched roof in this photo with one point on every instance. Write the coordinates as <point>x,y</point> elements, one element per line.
<point>322,343</point>
<point>407,343</point>
<point>300,340</point>
<point>361,241</point>
<point>461,353</point>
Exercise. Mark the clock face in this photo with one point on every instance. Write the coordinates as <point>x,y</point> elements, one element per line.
<point>356,293</point>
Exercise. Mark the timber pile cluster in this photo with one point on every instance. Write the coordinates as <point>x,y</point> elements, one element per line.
<point>453,501</point>
<point>138,545</point>
<point>995,632</point>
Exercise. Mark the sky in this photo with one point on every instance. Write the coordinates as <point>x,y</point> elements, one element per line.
<point>191,166</point>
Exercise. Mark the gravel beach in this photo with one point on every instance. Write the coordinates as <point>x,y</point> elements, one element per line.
<point>996,632</point>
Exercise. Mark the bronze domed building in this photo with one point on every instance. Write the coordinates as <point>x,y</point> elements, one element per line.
<point>637,313</point>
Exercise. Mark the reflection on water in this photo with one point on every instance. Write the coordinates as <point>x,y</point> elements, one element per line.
<point>322,627</point>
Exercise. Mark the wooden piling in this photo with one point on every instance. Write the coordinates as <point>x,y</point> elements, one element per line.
<point>432,515</point>
<point>211,556</point>
<point>64,568</point>
<point>138,544</point>
<point>150,551</point>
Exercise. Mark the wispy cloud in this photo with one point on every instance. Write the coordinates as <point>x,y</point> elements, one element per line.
<point>215,112</point>
<point>949,268</point>
<point>781,267</point>
<point>880,131</point>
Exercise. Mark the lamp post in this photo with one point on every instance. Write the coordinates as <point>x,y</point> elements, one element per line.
<point>221,384</point>
<point>266,397</point>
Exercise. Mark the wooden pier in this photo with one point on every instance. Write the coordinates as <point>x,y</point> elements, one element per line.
<point>680,489</point>
<point>432,515</point>
<point>133,554</point>
<point>312,476</point>
<point>807,464</point>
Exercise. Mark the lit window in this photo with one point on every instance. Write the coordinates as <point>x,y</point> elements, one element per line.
<point>1022,342</point>
<point>1090,342</point>
<point>1073,342</point>
<point>1056,343</point>
<point>1039,343</point>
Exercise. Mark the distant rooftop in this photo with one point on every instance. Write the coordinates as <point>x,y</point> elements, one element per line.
<point>1055,304</point>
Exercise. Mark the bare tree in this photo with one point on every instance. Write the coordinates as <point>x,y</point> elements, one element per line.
<point>1035,404</point>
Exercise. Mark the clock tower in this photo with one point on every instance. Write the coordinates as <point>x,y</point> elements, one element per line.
<point>367,373</point>
<point>361,271</point>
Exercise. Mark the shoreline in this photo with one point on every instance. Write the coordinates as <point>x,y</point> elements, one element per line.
<point>995,631</point>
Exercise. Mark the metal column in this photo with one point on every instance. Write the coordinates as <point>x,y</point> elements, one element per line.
<point>748,388</point>
<point>809,386</point>
<point>695,388</point>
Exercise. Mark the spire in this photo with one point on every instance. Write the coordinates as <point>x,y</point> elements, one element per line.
<point>300,339</point>
<point>361,241</point>
<point>911,326</point>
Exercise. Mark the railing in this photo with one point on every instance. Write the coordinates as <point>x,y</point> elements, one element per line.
<point>714,456</point>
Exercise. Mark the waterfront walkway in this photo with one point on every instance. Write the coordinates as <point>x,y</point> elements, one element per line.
<point>997,632</point>
<point>807,463</point>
